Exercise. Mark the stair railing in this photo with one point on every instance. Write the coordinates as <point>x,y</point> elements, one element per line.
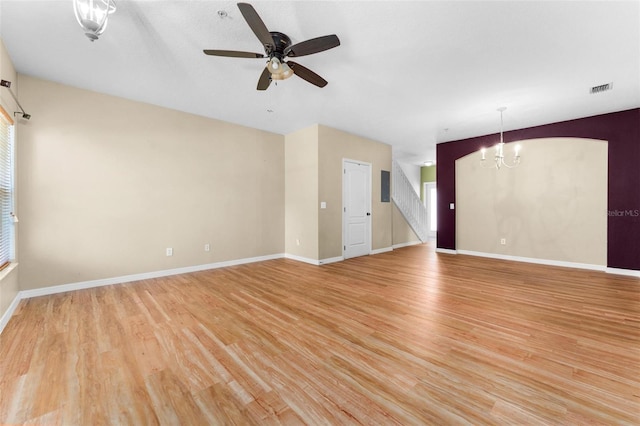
<point>409,203</point>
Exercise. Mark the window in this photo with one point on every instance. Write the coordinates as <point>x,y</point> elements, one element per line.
<point>430,203</point>
<point>6,188</point>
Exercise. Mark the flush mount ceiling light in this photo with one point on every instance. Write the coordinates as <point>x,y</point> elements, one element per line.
<point>498,158</point>
<point>92,15</point>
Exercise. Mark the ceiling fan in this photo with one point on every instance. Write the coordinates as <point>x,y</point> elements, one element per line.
<point>277,47</point>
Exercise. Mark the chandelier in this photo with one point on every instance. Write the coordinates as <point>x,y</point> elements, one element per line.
<point>92,15</point>
<point>499,158</point>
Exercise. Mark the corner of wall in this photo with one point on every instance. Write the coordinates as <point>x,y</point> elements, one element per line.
<point>301,193</point>
<point>334,146</point>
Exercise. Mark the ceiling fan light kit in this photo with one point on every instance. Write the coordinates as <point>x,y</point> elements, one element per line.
<point>93,15</point>
<point>278,70</point>
<point>277,47</point>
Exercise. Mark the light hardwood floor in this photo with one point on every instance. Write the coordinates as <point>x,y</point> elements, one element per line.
<point>406,337</point>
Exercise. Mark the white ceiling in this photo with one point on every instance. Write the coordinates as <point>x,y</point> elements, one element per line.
<point>407,73</point>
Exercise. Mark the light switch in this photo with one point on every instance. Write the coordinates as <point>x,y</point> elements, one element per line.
<point>452,206</point>
<point>323,204</point>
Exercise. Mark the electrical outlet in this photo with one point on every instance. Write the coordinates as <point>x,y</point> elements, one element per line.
<point>207,247</point>
<point>169,251</point>
<point>503,241</point>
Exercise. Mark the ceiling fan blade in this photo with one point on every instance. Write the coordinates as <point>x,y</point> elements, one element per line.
<point>315,45</point>
<point>306,74</point>
<point>257,26</point>
<point>265,79</point>
<point>232,53</point>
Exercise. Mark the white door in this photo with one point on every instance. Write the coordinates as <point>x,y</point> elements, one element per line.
<point>356,202</point>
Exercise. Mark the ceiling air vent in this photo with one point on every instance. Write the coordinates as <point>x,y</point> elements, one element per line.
<point>601,88</point>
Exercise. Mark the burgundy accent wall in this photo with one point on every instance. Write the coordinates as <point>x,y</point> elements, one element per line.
<point>620,129</point>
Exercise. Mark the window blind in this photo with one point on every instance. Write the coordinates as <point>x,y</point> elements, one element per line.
<point>6,187</point>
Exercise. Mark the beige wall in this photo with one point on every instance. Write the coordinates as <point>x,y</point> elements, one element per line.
<point>313,175</point>
<point>107,184</point>
<point>552,207</point>
<point>8,279</point>
<point>402,232</point>
<point>301,193</point>
<point>334,146</point>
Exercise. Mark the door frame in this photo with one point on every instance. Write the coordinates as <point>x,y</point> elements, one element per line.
<point>370,196</point>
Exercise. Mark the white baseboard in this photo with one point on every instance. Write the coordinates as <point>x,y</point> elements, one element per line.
<point>446,251</point>
<point>411,243</point>
<point>627,272</point>
<point>314,261</point>
<point>9,312</point>
<point>44,291</point>
<point>302,259</point>
<point>548,262</point>
<point>381,250</point>
<point>331,260</point>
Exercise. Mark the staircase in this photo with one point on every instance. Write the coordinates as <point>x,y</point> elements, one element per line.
<point>409,203</point>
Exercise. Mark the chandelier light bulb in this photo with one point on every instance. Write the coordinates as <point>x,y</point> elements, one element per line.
<point>499,158</point>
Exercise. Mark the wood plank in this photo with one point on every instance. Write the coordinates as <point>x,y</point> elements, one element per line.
<point>403,337</point>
